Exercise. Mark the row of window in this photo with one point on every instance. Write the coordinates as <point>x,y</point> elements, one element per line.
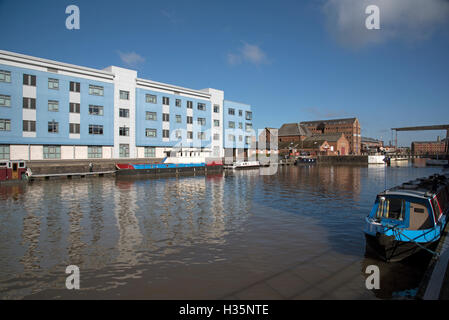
<point>248,126</point>
<point>53,105</point>
<point>151,98</point>
<point>54,152</point>
<point>152,133</point>
<point>248,114</point>
<point>74,128</point>
<point>231,138</point>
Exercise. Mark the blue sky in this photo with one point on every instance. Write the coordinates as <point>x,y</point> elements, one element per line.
<point>291,60</point>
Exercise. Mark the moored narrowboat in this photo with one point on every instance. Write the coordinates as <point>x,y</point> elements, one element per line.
<point>408,218</point>
<point>167,168</point>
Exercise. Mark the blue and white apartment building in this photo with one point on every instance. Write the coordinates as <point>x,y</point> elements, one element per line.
<point>54,110</point>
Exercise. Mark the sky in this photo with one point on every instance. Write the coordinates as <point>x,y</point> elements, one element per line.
<point>291,61</point>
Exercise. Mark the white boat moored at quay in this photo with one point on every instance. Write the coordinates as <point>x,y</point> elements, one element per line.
<point>243,165</point>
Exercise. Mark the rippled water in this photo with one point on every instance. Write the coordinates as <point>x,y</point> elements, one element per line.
<point>236,235</point>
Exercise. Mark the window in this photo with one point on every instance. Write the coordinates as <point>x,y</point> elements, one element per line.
<point>178,134</point>
<point>4,152</point>
<point>95,110</point>
<point>240,113</point>
<point>166,101</point>
<point>248,140</point>
<point>189,134</point>
<point>189,105</point>
<point>53,105</point>
<point>201,106</point>
<point>124,95</point>
<point>165,117</point>
<point>216,123</point>
<point>52,152</point>
<point>216,136</point>
<point>216,108</point>
<point>123,131</point>
<point>249,115</point>
<point>74,128</point>
<point>231,137</point>
<point>96,90</point>
<point>74,107</point>
<point>231,124</point>
<point>201,121</point>
<point>53,127</point>
<point>240,125</point>
<point>392,208</point>
<point>189,120</point>
<point>248,127</point>
<point>5,101</point>
<point>201,135</point>
<point>178,102</point>
<point>29,126</point>
<point>29,103</point>
<point>151,98</point>
<point>231,111</point>
<point>94,152</point>
<point>29,80</point>
<point>95,129</point>
<point>150,133</point>
<point>151,115</point>
<point>74,86</point>
<point>166,133</point>
<point>5,76</point>
<point>178,118</point>
<point>124,150</point>
<point>124,113</point>
<point>53,84</point>
<point>150,152</point>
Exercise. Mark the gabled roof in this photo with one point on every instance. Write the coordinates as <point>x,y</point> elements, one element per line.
<point>293,129</point>
<point>329,137</point>
<point>316,122</point>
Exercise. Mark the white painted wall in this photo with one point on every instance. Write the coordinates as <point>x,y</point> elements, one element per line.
<point>19,152</point>
<point>217,98</point>
<point>37,152</point>
<point>125,79</point>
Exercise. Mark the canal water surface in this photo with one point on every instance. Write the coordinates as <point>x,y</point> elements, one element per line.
<point>296,234</point>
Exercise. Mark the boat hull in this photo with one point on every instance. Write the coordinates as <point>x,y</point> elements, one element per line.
<point>391,250</point>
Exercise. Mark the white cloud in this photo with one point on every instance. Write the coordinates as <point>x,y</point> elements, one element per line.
<point>131,58</point>
<point>407,20</point>
<point>248,53</point>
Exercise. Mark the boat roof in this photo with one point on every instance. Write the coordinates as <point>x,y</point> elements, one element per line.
<point>420,188</point>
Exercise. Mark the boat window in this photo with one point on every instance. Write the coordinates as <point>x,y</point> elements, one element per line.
<point>391,209</point>
<point>419,217</point>
<point>436,208</point>
<point>3,164</point>
<point>21,165</point>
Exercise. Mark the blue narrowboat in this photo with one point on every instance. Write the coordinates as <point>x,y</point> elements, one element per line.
<point>408,218</point>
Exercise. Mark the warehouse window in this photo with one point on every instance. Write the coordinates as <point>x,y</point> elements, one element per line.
<point>4,152</point>
<point>52,152</point>
<point>29,126</point>
<point>5,101</point>
<point>94,152</point>
<point>150,152</point>
<point>96,90</point>
<point>5,76</point>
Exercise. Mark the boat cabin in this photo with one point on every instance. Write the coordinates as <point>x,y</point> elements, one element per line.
<point>415,205</point>
<point>12,170</point>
